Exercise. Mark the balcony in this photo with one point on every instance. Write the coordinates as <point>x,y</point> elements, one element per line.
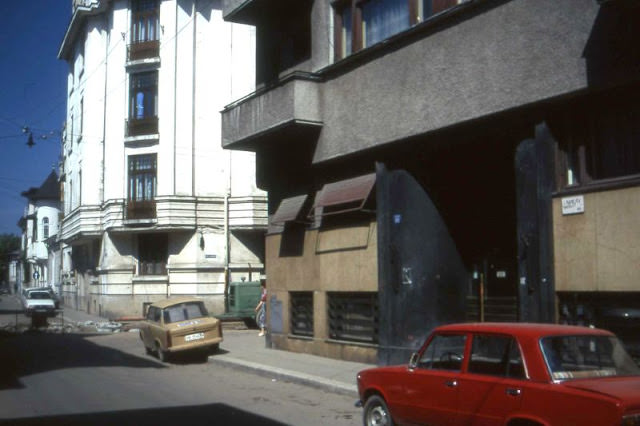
<point>82,222</point>
<point>290,106</point>
<point>141,126</point>
<point>143,50</point>
<point>141,209</point>
<point>242,11</point>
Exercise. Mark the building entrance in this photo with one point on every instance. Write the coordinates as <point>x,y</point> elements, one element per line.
<point>448,224</point>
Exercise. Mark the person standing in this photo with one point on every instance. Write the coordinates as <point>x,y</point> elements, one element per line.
<point>261,308</point>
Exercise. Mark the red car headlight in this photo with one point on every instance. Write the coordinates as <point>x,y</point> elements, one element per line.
<point>631,420</point>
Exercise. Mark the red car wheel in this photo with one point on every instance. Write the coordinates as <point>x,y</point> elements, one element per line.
<point>376,412</point>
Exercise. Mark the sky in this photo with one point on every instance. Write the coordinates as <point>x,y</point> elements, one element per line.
<point>32,94</point>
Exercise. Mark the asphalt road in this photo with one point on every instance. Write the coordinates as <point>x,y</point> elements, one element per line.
<point>87,379</point>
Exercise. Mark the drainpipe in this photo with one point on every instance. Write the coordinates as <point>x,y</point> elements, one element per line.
<point>227,273</point>
<point>193,103</point>
<point>175,101</point>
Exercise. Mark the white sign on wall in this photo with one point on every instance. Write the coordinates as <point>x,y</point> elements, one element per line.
<point>573,205</point>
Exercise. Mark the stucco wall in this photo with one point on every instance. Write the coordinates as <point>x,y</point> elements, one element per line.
<point>599,250</point>
<point>471,66</point>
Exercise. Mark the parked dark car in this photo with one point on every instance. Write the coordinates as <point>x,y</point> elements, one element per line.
<point>507,374</point>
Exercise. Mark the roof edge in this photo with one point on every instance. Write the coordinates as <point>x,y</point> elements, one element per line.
<point>90,7</point>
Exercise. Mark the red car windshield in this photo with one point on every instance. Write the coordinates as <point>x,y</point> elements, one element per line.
<point>579,357</point>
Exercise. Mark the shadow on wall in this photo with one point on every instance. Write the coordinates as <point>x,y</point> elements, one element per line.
<point>612,51</point>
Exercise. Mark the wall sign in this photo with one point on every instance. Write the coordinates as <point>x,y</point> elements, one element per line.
<point>573,205</point>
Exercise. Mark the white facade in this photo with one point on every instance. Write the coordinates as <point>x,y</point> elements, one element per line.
<point>153,206</point>
<point>40,225</point>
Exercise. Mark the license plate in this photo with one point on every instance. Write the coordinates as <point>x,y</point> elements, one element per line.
<point>196,336</point>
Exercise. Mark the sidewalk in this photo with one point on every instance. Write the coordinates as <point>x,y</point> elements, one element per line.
<point>245,350</point>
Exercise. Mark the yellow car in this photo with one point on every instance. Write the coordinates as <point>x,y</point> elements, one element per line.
<point>180,324</point>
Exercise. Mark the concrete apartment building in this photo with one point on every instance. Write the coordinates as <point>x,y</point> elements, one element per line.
<point>434,161</point>
<point>152,205</point>
<point>40,225</point>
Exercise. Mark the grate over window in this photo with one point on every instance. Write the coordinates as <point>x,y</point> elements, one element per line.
<point>353,316</point>
<point>301,313</point>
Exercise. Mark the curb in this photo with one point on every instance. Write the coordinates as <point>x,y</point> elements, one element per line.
<point>288,375</point>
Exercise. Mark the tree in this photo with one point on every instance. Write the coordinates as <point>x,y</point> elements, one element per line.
<point>9,243</point>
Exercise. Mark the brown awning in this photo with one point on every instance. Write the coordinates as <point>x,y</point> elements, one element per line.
<point>289,210</point>
<point>344,196</point>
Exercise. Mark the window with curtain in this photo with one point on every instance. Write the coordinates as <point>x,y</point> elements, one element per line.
<point>144,21</point>
<point>344,35</point>
<point>142,177</point>
<point>45,228</point>
<point>383,18</point>
<point>143,95</point>
<point>363,23</point>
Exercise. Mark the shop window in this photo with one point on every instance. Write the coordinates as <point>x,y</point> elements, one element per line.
<point>301,313</point>
<point>599,142</point>
<point>353,316</point>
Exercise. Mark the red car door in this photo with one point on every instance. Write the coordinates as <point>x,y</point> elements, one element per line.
<point>431,389</point>
<point>491,387</point>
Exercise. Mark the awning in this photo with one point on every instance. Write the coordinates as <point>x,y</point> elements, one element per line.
<point>344,196</point>
<point>289,210</point>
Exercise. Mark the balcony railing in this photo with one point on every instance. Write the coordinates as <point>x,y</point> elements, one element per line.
<point>141,126</point>
<point>143,50</point>
<point>141,209</point>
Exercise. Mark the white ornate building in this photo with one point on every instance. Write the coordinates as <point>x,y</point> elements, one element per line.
<point>40,226</point>
<point>153,206</point>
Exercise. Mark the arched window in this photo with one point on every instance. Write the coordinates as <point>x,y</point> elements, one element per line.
<point>45,228</point>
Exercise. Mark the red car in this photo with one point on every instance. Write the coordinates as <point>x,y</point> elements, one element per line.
<point>513,374</point>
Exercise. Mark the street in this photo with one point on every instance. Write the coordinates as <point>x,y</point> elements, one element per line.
<point>79,379</point>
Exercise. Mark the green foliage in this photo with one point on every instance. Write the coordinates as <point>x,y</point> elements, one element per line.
<point>8,244</point>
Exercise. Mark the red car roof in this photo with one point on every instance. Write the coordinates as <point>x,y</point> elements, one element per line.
<point>524,329</point>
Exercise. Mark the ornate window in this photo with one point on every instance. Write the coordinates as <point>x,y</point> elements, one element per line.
<point>142,186</point>
<point>45,228</point>
<point>143,104</point>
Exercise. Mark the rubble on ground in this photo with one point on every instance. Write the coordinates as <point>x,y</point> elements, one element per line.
<point>57,325</point>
